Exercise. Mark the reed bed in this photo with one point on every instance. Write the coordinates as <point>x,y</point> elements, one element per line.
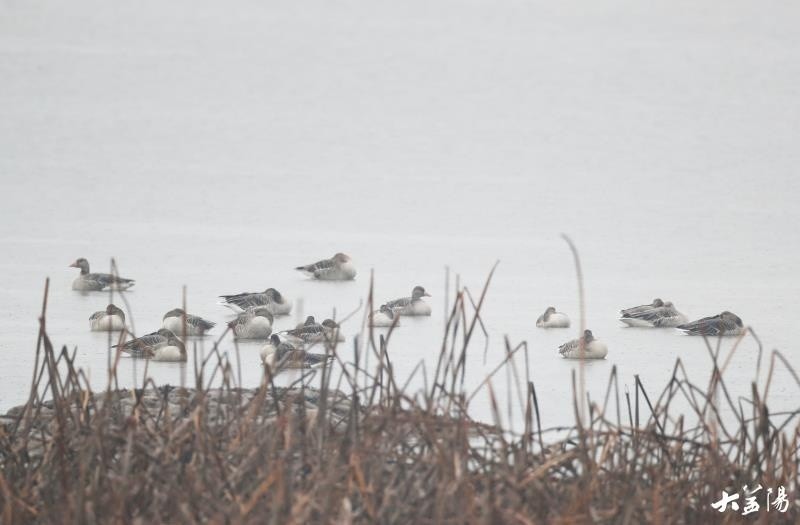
<point>359,448</point>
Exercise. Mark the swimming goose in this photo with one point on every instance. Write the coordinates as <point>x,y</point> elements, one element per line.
<point>593,349</point>
<point>276,303</point>
<point>150,346</point>
<point>552,319</point>
<point>253,323</point>
<point>666,316</point>
<point>725,323</point>
<point>96,282</point>
<point>413,305</point>
<point>112,319</point>
<point>313,333</point>
<point>195,325</point>
<point>281,355</point>
<point>643,308</point>
<point>337,268</point>
<point>384,317</point>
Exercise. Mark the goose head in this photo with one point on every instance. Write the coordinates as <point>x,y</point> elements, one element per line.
<point>550,311</point>
<point>341,258</point>
<point>274,294</point>
<point>419,292</point>
<point>81,263</point>
<point>732,317</point>
<point>113,309</point>
<point>175,312</point>
<point>657,302</point>
<point>588,337</point>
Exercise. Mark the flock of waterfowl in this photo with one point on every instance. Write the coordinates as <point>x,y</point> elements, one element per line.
<point>255,312</point>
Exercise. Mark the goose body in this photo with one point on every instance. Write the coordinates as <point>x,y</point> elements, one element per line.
<point>726,323</point>
<point>627,312</point>
<point>338,268</point>
<point>195,325</point>
<point>593,349</point>
<point>174,350</point>
<point>275,302</point>
<point>281,355</point>
<point>97,282</point>
<point>384,317</point>
<point>253,323</point>
<point>314,333</point>
<point>666,316</point>
<point>112,319</point>
<point>159,346</point>
<point>413,305</point>
<point>552,319</point>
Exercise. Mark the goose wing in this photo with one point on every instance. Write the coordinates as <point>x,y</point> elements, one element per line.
<point>246,300</point>
<point>399,303</point>
<point>713,325</point>
<point>319,268</point>
<point>198,322</point>
<point>106,279</point>
<point>569,346</point>
<point>148,340</point>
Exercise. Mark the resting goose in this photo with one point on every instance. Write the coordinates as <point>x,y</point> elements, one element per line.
<point>725,323</point>
<point>112,319</point>
<point>384,317</point>
<point>552,319</point>
<point>643,308</point>
<point>413,305</point>
<point>253,323</point>
<point>96,282</point>
<point>162,345</point>
<point>593,349</point>
<point>337,268</point>
<point>666,316</point>
<point>195,325</point>
<point>281,355</point>
<point>271,298</point>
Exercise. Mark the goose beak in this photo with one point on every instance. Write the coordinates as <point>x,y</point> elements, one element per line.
<point>426,294</point>
<point>73,265</point>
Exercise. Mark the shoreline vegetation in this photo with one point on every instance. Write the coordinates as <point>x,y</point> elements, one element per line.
<point>360,449</point>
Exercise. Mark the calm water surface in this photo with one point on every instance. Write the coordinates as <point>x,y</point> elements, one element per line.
<point>218,147</point>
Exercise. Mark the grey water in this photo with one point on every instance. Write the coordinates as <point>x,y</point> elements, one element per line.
<point>217,146</point>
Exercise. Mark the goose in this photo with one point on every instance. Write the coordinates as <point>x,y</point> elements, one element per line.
<point>146,345</point>
<point>112,319</point>
<point>384,317</point>
<point>195,325</point>
<point>413,305</point>
<point>337,268</point>
<point>253,323</point>
<point>726,323</point>
<point>271,298</point>
<point>552,319</point>
<point>666,316</point>
<point>593,349</point>
<point>281,355</point>
<point>643,308</point>
<point>96,282</point>
<point>313,333</point>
